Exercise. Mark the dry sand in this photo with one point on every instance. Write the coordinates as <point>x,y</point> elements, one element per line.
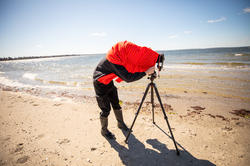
<point>42,131</point>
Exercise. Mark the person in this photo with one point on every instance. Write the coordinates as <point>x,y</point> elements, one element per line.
<point>124,61</point>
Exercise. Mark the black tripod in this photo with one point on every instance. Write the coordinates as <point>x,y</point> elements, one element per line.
<point>153,86</point>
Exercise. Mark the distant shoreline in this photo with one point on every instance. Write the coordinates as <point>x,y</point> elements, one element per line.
<point>244,48</point>
<point>37,57</point>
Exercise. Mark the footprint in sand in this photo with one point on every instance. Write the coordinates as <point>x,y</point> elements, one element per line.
<point>22,160</point>
<point>3,162</point>
<point>241,124</point>
<point>19,147</point>
<point>226,128</point>
<point>6,139</point>
<point>63,141</point>
<point>40,136</point>
<point>57,104</point>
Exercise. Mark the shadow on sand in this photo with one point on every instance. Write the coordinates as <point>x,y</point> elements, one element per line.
<point>137,154</point>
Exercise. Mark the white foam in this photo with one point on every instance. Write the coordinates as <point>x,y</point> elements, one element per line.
<point>12,83</point>
<point>62,99</point>
<point>238,54</point>
<point>57,99</point>
<point>31,76</point>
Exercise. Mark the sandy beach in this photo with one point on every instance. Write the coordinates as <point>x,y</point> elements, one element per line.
<point>52,53</point>
<point>43,131</point>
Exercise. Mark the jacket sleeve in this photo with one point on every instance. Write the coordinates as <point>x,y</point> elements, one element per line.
<point>121,72</point>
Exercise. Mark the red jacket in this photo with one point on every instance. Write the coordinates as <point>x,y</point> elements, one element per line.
<point>133,58</point>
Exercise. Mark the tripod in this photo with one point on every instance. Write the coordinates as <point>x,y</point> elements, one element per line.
<point>153,87</point>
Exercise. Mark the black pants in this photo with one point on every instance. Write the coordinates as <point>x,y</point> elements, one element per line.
<point>106,95</point>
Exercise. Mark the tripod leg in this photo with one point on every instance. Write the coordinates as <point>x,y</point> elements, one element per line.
<point>166,118</point>
<point>143,98</point>
<point>152,102</point>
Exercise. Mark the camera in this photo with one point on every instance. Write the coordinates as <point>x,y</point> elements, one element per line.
<point>160,61</point>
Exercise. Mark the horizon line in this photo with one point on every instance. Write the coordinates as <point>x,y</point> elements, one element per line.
<point>81,54</point>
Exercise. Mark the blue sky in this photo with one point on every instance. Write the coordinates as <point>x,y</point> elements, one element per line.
<point>51,27</point>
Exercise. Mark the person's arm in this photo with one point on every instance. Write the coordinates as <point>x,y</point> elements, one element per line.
<point>121,72</point>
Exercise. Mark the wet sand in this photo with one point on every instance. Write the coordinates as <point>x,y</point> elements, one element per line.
<point>47,131</point>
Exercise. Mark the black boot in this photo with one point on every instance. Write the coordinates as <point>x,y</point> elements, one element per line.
<point>104,131</point>
<point>119,118</point>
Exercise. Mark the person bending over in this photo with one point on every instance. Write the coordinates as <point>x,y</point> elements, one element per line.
<point>124,61</point>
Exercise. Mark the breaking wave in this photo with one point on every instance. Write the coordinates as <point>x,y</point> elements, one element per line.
<point>30,76</point>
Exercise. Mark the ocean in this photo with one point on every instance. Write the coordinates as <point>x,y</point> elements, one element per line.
<point>221,72</point>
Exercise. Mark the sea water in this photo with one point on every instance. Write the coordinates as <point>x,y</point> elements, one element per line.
<point>223,72</point>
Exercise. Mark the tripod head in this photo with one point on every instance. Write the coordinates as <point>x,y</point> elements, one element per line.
<point>152,76</point>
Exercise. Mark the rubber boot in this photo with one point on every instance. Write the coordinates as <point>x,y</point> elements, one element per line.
<point>104,131</point>
<point>120,122</point>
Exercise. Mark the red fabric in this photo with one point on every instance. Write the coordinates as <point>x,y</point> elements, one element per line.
<point>134,58</point>
<point>107,78</point>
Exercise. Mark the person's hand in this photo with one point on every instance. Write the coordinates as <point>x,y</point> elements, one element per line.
<point>150,70</point>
